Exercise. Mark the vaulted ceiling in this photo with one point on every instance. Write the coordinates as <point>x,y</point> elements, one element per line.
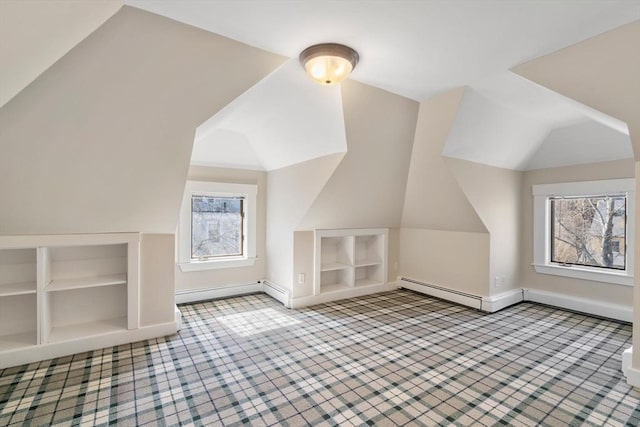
<point>414,49</point>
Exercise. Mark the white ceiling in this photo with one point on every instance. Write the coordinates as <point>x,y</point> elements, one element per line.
<point>412,48</point>
<point>283,120</point>
<point>510,122</point>
<point>417,49</point>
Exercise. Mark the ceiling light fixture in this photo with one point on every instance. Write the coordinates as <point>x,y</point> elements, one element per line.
<point>328,63</point>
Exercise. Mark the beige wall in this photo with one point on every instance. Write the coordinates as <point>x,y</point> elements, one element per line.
<point>230,276</point>
<point>367,188</point>
<point>290,192</point>
<point>101,141</point>
<point>157,282</point>
<point>456,260</point>
<point>601,72</point>
<point>434,199</point>
<point>495,195</point>
<point>607,293</point>
<point>442,240</point>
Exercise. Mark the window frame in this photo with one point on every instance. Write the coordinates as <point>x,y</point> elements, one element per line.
<point>542,229</point>
<point>217,189</point>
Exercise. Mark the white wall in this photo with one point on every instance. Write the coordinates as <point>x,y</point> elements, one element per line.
<point>230,276</point>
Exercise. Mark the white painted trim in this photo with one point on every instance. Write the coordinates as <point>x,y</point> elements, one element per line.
<point>341,294</point>
<point>469,300</point>
<point>632,374</point>
<point>178,317</point>
<point>230,262</point>
<point>585,273</point>
<point>502,300</point>
<point>607,186</point>
<point>40,352</point>
<point>250,192</point>
<point>542,224</point>
<point>217,292</point>
<point>584,305</point>
<point>277,292</point>
<point>627,356</point>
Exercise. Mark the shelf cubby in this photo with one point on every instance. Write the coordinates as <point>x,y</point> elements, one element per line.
<point>18,321</point>
<point>18,271</point>
<point>348,259</point>
<point>78,312</point>
<point>333,280</point>
<point>368,275</point>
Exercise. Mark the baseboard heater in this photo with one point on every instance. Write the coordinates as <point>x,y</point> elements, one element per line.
<point>276,292</point>
<point>464,298</point>
<point>271,289</point>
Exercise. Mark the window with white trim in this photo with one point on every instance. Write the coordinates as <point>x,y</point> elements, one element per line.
<point>582,230</point>
<point>217,226</point>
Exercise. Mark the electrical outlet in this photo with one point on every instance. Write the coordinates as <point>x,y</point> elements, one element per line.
<point>498,282</point>
<point>301,278</point>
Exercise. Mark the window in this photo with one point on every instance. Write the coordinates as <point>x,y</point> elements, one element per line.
<point>581,229</point>
<point>585,229</point>
<point>217,226</point>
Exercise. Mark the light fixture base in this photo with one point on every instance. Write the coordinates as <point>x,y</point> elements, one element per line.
<point>329,63</point>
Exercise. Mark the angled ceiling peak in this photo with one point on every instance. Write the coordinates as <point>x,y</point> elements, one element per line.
<point>283,120</point>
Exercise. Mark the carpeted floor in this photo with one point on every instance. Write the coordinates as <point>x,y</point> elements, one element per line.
<point>397,358</point>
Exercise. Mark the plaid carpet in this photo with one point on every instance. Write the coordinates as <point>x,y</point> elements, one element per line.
<point>396,358</point>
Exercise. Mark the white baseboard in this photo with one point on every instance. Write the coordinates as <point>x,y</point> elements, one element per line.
<point>178,317</point>
<point>632,374</point>
<point>584,305</point>
<point>502,300</point>
<point>277,292</point>
<point>217,292</point>
<point>341,294</point>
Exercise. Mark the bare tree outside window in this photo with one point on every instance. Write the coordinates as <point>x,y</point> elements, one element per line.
<point>216,226</point>
<point>589,231</point>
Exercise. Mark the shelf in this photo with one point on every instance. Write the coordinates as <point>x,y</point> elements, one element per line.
<point>332,266</point>
<point>89,329</point>
<point>333,287</point>
<point>86,282</point>
<point>14,341</point>
<point>367,263</point>
<point>367,282</point>
<point>9,289</point>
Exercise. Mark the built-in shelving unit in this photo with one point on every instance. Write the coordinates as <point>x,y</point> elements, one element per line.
<point>66,290</point>
<point>347,259</point>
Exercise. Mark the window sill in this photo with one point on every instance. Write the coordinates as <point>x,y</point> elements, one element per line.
<point>575,272</point>
<point>216,264</point>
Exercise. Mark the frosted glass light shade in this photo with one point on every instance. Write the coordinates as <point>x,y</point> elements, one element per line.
<point>328,63</point>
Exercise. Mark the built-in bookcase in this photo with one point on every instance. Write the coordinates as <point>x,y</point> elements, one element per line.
<point>66,288</point>
<point>349,258</point>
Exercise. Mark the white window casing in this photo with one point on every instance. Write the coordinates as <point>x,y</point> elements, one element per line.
<point>542,227</point>
<point>217,189</point>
